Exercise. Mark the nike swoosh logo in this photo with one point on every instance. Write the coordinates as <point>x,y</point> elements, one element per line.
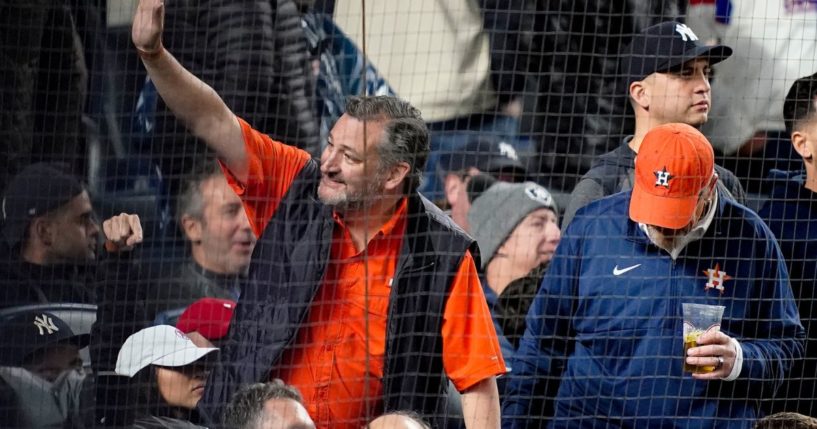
<point>618,272</point>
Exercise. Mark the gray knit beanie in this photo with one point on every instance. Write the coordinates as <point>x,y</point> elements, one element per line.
<point>497,212</point>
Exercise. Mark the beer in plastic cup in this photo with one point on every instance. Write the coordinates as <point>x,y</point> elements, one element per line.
<point>699,318</point>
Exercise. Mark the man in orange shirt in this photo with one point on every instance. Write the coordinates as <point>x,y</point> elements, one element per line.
<point>365,299</point>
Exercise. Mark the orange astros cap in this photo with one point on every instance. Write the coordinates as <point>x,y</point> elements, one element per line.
<point>675,162</point>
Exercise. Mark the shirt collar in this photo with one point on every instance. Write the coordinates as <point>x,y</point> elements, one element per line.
<point>696,233</point>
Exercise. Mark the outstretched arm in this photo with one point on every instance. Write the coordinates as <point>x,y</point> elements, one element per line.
<point>191,100</point>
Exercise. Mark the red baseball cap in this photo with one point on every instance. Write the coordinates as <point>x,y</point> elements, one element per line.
<point>674,164</point>
<point>208,316</point>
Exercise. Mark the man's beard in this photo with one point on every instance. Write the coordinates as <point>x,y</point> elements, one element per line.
<point>357,200</point>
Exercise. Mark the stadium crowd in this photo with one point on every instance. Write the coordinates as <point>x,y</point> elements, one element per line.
<point>397,258</point>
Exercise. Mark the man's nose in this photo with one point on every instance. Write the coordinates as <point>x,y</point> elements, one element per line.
<point>93,228</point>
<point>702,83</point>
<point>329,160</point>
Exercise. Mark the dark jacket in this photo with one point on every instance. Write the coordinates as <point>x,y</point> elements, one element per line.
<point>509,37</point>
<point>513,303</point>
<point>791,214</point>
<point>22,283</point>
<point>28,401</point>
<point>287,270</point>
<point>152,422</point>
<point>188,282</point>
<point>44,83</point>
<point>614,171</point>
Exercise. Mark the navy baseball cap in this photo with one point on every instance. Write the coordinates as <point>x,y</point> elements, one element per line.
<point>665,47</point>
<point>30,331</point>
<point>486,153</point>
<point>35,191</point>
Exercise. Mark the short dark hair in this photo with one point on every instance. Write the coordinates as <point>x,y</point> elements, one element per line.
<point>405,133</point>
<point>190,200</point>
<point>799,105</point>
<point>786,421</point>
<point>245,408</point>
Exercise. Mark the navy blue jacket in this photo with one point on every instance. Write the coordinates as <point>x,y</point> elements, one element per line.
<point>616,340</point>
<point>791,214</point>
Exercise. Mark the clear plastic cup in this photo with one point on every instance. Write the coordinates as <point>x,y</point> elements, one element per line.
<point>698,319</point>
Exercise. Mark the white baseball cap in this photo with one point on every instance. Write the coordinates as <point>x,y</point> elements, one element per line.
<point>162,345</point>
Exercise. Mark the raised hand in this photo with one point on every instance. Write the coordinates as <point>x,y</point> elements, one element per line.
<point>148,25</point>
<point>123,232</point>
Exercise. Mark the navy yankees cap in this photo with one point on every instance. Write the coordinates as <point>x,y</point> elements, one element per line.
<point>665,47</point>
<point>486,153</point>
<point>30,331</point>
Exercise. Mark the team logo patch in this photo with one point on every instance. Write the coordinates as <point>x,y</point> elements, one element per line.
<point>44,324</point>
<point>686,33</point>
<point>716,278</point>
<point>663,177</point>
<point>540,194</point>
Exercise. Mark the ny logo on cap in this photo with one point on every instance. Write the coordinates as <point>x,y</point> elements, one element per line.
<point>663,177</point>
<point>45,325</point>
<point>685,32</point>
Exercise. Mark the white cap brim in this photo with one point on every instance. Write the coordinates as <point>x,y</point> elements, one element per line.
<point>158,345</point>
<point>178,358</point>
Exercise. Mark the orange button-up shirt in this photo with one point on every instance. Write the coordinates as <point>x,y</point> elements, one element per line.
<point>337,359</point>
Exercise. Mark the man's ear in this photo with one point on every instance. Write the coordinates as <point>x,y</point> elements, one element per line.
<point>640,94</point>
<point>192,228</point>
<point>41,230</point>
<point>397,173</point>
<point>798,141</point>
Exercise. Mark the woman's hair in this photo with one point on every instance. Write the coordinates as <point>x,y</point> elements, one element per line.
<point>149,401</point>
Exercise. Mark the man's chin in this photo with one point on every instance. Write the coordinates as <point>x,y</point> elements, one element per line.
<point>698,120</point>
<point>331,199</point>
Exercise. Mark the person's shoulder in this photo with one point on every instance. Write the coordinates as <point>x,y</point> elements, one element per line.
<point>605,216</point>
<point>741,221</point>
<point>609,169</point>
<point>153,422</point>
<point>606,207</point>
<point>610,163</point>
<point>437,215</point>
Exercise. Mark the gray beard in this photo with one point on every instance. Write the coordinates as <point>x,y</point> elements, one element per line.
<point>358,201</point>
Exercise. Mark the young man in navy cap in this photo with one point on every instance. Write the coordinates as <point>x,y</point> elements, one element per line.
<point>41,377</point>
<point>666,69</point>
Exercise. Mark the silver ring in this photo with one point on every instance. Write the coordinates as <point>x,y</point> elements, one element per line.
<point>720,363</point>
